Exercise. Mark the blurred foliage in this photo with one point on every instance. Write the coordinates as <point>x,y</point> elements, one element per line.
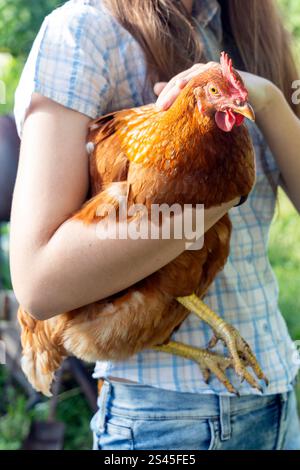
<point>15,423</point>
<point>284,255</point>
<point>5,281</point>
<point>20,20</point>
<point>291,13</point>
<point>15,419</point>
<point>10,75</point>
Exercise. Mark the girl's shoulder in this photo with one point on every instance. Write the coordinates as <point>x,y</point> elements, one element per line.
<point>88,18</point>
<point>83,59</point>
<point>71,60</point>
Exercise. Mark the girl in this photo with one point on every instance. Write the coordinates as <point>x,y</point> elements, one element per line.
<point>94,56</point>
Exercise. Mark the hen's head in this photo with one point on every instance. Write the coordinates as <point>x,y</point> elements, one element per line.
<point>220,92</point>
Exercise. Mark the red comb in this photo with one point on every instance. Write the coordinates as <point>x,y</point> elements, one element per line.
<point>228,73</point>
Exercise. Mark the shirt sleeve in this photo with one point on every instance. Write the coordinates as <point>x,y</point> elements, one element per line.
<point>69,63</point>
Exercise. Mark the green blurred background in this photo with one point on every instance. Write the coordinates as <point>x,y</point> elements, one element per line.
<point>19,23</point>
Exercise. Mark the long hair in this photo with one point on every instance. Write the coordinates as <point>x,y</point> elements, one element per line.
<point>167,35</point>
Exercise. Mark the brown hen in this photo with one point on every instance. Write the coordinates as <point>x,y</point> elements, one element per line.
<point>199,151</point>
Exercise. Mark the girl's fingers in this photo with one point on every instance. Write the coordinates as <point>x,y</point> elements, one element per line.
<point>175,80</point>
<point>200,68</point>
<point>176,83</point>
<point>170,91</point>
<point>168,98</point>
<point>158,87</point>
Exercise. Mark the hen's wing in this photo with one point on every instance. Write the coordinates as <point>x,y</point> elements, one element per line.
<point>118,141</point>
<point>110,161</point>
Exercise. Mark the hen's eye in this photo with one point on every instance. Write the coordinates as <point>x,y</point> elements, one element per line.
<point>214,90</point>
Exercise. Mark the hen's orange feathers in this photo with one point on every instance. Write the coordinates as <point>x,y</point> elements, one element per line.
<point>151,157</point>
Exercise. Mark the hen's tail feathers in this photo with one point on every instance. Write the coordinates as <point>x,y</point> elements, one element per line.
<point>42,355</point>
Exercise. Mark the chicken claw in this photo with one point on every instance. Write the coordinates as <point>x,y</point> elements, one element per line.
<point>241,354</point>
<point>240,351</point>
<point>208,361</point>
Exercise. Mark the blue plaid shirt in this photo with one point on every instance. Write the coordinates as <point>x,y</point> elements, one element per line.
<point>83,59</point>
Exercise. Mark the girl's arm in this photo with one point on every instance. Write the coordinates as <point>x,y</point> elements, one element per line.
<point>281,128</point>
<point>59,265</point>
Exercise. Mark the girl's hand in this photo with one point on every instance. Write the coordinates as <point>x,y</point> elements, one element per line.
<point>261,90</point>
<point>168,92</point>
<point>279,125</point>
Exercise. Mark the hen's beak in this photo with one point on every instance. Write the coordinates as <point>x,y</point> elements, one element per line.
<point>245,110</point>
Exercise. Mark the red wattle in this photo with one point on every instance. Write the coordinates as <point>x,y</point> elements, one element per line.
<point>225,120</point>
<point>239,119</point>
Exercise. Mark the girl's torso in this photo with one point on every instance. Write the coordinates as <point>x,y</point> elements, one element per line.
<point>83,59</point>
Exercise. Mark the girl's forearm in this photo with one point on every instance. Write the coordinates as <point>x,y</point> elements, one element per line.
<point>281,128</point>
<point>76,268</point>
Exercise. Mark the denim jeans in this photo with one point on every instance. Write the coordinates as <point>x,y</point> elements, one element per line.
<point>141,417</point>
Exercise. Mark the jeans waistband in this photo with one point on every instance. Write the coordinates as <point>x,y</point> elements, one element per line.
<point>145,401</point>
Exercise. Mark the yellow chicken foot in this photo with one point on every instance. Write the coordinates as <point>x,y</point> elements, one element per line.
<point>238,348</point>
<point>208,361</point>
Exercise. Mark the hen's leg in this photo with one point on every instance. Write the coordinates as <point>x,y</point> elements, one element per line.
<point>239,349</point>
<point>208,361</point>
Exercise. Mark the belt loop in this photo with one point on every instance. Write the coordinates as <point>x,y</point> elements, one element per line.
<point>102,404</point>
<point>283,410</point>
<point>225,423</point>
<point>284,405</point>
